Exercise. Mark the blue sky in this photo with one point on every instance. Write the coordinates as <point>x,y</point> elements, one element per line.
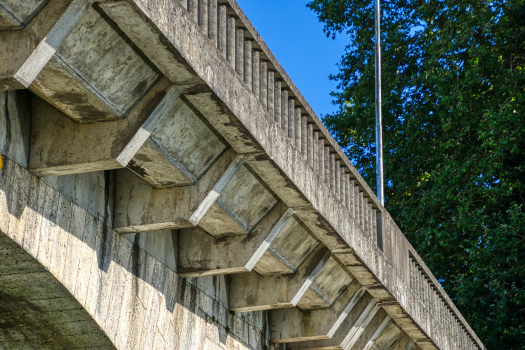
<point>296,38</point>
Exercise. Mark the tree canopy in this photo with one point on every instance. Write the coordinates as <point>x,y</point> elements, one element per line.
<point>454,141</point>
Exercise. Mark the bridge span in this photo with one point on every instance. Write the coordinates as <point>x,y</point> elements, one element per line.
<point>166,186</point>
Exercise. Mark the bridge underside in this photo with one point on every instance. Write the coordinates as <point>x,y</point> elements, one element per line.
<point>161,167</point>
<point>37,311</point>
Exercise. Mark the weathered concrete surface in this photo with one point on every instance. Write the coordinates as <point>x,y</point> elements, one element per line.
<point>37,311</point>
<point>238,114</point>
<point>238,165</point>
<point>15,118</point>
<point>88,147</point>
<point>136,300</point>
<point>17,14</point>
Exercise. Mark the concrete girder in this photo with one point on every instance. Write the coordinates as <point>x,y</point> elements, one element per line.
<point>355,332</point>
<point>15,14</point>
<point>25,52</point>
<point>201,254</point>
<point>295,325</point>
<point>96,74</point>
<point>228,200</point>
<point>60,146</point>
<point>174,153</point>
<point>317,283</point>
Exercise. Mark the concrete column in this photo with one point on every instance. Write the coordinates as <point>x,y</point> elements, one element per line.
<point>222,34</point>
<point>230,42</point>
<point>284,111</point>
<point>271,94</point>
<point>212,21</point>
<point>277,102</point>
<point>248,63</point>
<point>239,51</point>
<point>264,83</point>
<point>203,15</point>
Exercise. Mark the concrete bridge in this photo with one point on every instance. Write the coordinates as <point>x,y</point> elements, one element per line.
<point>166,186</point>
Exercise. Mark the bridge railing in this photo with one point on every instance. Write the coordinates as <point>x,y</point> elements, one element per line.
<point>225,24</point>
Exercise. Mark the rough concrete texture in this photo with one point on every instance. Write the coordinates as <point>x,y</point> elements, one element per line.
<point>136,300</point>
<point>385,273</point>
<point>226,174</point>
<point>37,311</point>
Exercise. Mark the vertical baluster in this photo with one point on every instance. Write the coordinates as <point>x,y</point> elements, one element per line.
<point>327,165</point>
<point>360,208</point>
<point>184,4</point>
<point>284,111</point>
<point>230,45</point>
<point>304,136</point>
<point>271,94</point>
<point>203,15</point>
<point>351,205</point>
<point>264,83</point>
<point>337,179</point>
<point>315,152</point>
<point>291,119</point>
<point>212,21</point>
<point>256,73</point>
<point>321,166</point>
<point>277,102</point>
<point>248,63</point>
<point>332,172</point>
<point>310,144</point>
<point>239,51</point>
<point>193,9</point>
<point>372,220</point>
<point>348,191</point>
<point>344,192</point>
<point>373,233</point>
<point>223,31</point>
<point>298,128</point>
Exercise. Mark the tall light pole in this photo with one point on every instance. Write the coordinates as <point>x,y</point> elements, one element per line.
<point>379,124</point>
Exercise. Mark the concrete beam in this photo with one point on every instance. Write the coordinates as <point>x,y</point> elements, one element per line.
<point>228,200</point>
<point>96,74</point>
<point>277,245</point>
<point>354,333</point>
<point>25,52</point>
<point>201,254</point>
<point>317,283</point>
<point>60,146</point>
<point>295,325</point>
<point>174,153</point>
<point>15,14</point>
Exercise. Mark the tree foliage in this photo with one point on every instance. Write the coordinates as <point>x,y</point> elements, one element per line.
<point>454,141</point>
